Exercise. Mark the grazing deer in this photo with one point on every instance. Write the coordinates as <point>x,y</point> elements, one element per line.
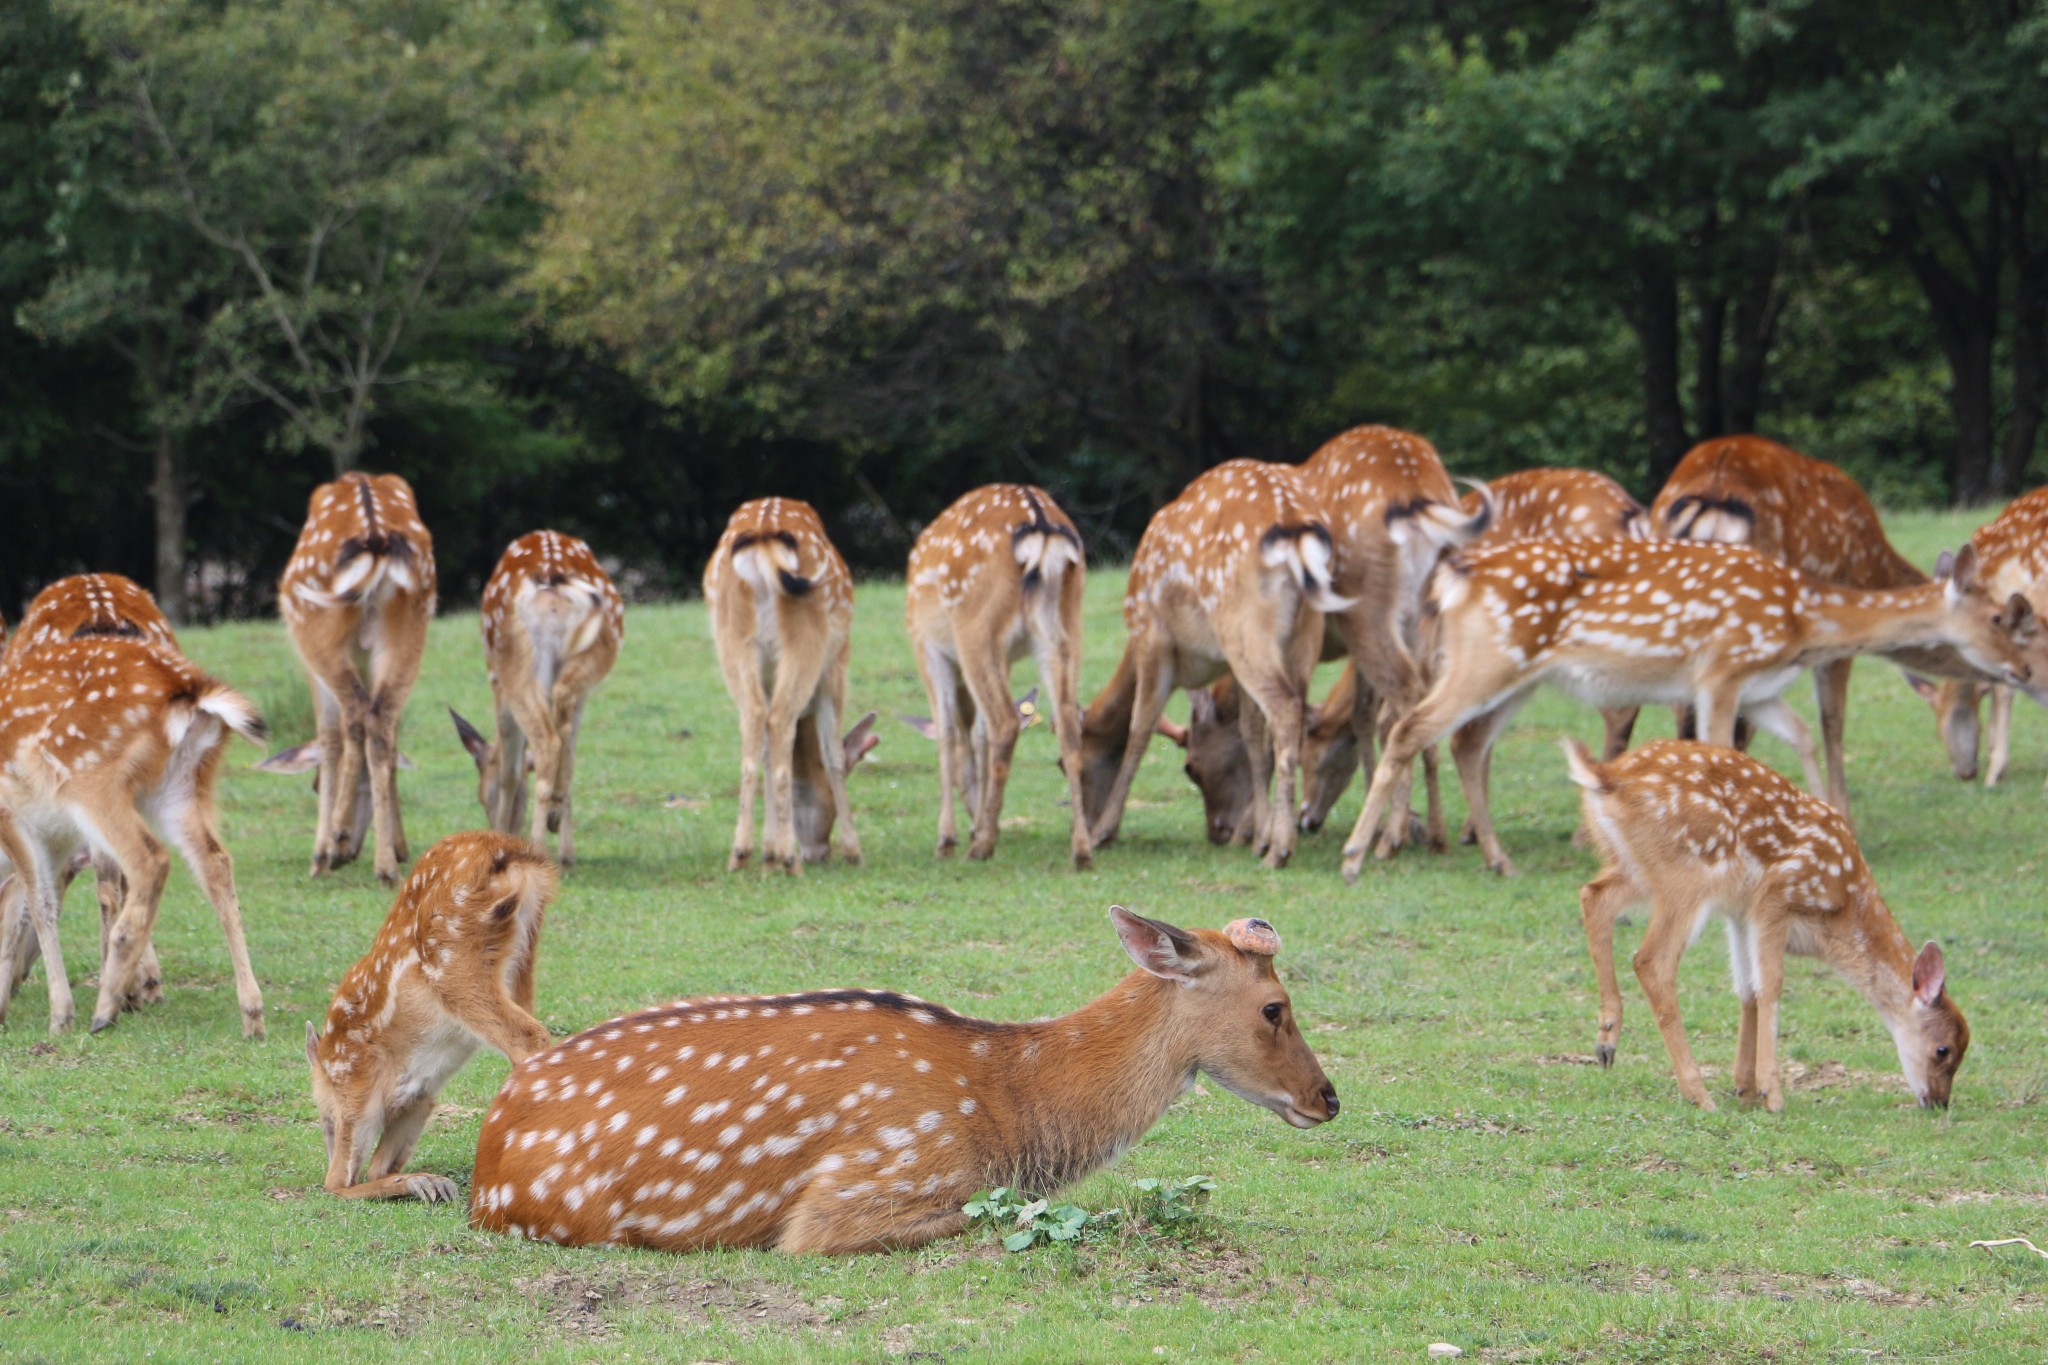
<point>1745,490</point>
<point>93,734</point>
<point>80,607</point>
<point>356,598</point>
<point>998,575</point>
<point>2012,556</point>
<point>1220,767</point>
<point>841,1121</point>
<point>451,971</point>
<point>781,603</point>
<point>1699,830</point>
<point>552,626</point>
<point>1622,622</point>
<point>1230,576</point>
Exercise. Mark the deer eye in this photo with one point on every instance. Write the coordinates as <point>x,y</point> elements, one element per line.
<point>1272,1013</point>
<point>1941,1052</point>
<point>1189,769</point>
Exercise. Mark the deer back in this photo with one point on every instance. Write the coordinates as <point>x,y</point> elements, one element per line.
<point>985,553</point>
<point>1391,505</point>
<point>94,604</point>
<point>1558,504</point>
<point>776,574</point>
<point>363,541</point>
<point>548,601</point>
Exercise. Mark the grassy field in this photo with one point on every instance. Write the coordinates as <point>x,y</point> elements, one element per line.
<point>1485,1185</point>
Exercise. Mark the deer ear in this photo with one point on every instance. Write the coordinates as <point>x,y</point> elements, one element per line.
<point>312,1043</point>
<point>2019,616</point>
<point>1201,707</point>
<point>299,758</point>
<point>1926,690</point>
<point>1177,733</point>
<point>859,740</point>
<point>479,747</point>
<point>1027,709</point>
<point>1929,973</point>
<point>1962,571</point>
<point>924,725</point>
<point>1158,947</point>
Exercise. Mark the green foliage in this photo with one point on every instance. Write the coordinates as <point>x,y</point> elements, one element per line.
<point>1033,1221</point>
<point>1170,1203</point>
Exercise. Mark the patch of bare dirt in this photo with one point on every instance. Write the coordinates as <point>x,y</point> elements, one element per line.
<point>452,1115</point>
<point>1567,1059</point>
<point>578,1303</point>
<point>1734,1285</point>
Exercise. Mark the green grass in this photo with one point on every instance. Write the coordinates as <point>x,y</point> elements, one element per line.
<point>159,1183</point>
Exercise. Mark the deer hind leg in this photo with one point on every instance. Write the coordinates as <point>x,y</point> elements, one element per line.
<point>535,719</point>
<point>833,750</point>
<point>566,834</point>
<point>352,776</point>
<point>821,1223</point>
<point>986,674</point>
<point>1601,902</point>
<point>1472,750</point>
<point>1256,734</point>
<point>39,897</point>
<point>144,868</point>
<point>196,832</point>
<point>18,946</point>
<point>333,739</point>
<point>743,683</point>
<point>1671,925</point>
<point>1776,718</point>
<point>1831,695</point>
<point>2001,734</point>
<point>401,641</point>
<point>785,707</point>
<point>941,690</point>
<point>1763,937</point>
<point>108,891</point>
<point>1273,704</point>
<point>1059,668</point>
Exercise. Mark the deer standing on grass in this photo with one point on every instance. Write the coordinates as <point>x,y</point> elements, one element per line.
<point>840,1121</point>
<point>997,576</point>
<point>1698,830</point>
<point>781,602</point>
<point>356,598</point>
<point>76,608</point>
<point>451,971</point>
<point>94,734</point>
<point>2012,556</point>
<point>552,625</point>
<point>1621,622</point>
<point>1745,490</point>
<point>1233,575</point>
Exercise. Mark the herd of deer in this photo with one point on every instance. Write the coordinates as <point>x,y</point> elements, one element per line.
<point>841,1120</point>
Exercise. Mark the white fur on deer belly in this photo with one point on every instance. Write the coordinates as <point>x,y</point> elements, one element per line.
<point>439,1056</point>
<point>1767,685</point>
<point>1603,687</point>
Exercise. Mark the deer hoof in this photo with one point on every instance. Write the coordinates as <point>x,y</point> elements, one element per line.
<point>1354,863</point>
<point>431,1189</point>
<point>946,847</point>
<point>1604,1053</point>
<point>252,1024</point>
<point>100,1022</point>
<point>738,859</point>
<point>1504,868</point>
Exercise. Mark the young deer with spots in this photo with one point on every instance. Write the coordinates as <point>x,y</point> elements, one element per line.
<point>997,576</point>
<point>1698,830</point>
<point>552,626</point>
<point>451,972</point>
<point>356,598</point>
<point>83,606</point>
<point>94,734</point>
<point>844,1121</point>
<point>2012,557</point>
<point>781,603</point>
<point>1621,622</point>
<point>1745,490</point>
<point>1233,575</point>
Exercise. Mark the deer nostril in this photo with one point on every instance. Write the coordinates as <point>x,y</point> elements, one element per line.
<point>1330,1099</point>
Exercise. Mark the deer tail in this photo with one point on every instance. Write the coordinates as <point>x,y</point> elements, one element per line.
<point>1305,551</point>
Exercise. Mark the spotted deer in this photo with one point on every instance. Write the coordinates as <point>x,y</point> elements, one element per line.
<point>1746,490</point>
<point>1233,575</point>
<point>996,576</point>
<point>450,972</point>
<point>80,607</point>
<point>781,602</point>
<point>552,624</point>
<point>356,598</point>
<point>840,1121</point>
<point>99,738</point>
<point>1622,622</point>
<point>2012,556</point>
<point>1697,830</point>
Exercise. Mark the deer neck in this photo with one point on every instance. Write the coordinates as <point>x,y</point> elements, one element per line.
<point>1088,1085</point>
<point>1849,621</point>
<point>1109,715</point>
<point>1872,953</point>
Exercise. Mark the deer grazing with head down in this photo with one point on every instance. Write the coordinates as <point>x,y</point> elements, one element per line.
<point>996,576</point>
<point>1698,830</point>
<point>1622,622</point>
<point>1745,490</point>
<point>95,736</point>
<point>2012,557</point>
<point>82,606</point>
<point>450,972</point>
<point>552,624</point>
<point>356,598</point>
<point>781,602</point>
<point>1233,575</point>
<point>840,1121</point>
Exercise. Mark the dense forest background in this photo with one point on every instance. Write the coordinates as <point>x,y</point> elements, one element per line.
<point>614,265</point>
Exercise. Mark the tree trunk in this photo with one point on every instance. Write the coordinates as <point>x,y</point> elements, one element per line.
<point>167,491</point>
<point>1756,326</point>
<point>1965,313</point>
<point>1654,319</point>
<point>1706,383</point>
<point>2029,372</point>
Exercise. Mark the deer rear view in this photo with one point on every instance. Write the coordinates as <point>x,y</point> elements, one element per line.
<point>356,598</point>
<point>844,1121</point>
<point>450,972</point>
<point>996,576</point>
<point>552,623</point>
<point>1698,830</point>
<point>781,603</point>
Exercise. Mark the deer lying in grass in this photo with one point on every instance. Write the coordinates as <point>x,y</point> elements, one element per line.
<point>1745,490</point>
<point>93,734</point>
<point>2012,556</point>
<point>552,624</point>
<point>1230,576</point>
<point>82,606</point>
<point>842,1121</point>
<point>1698,830</point>
<point>356,598</point>
<point>1622,622</point>
<point>781,603</point>
<point>450,972</point>
<point>996,576</point>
